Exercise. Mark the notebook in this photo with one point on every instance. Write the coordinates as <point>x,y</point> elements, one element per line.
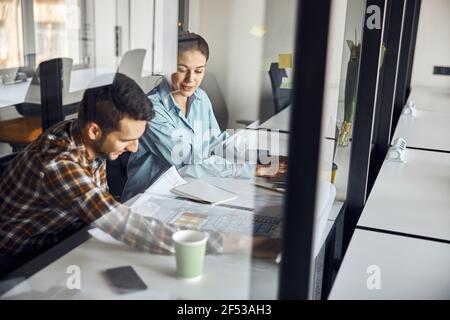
<point>202,191</point>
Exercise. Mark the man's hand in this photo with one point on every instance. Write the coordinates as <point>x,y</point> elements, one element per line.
<point>266,248</point>
<point>260,247</point>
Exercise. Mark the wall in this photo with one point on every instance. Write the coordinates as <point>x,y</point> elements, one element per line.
<point>226,25</point>
<point>135,17</point>
<point>235,54</point>
<point>281,23</point>
<point>104,22</point>
<point>141,28</point>
<point>432,44</point>
<point>166,37</point>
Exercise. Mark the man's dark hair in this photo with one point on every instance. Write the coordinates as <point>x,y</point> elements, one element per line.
<point>107,105</point>
<point>191,41</point>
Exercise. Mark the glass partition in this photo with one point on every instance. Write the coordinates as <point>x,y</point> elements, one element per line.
<point>223,105</point>
<point>58,28</point>
<point>351,34</point>
<point>338,118</point>
<point>249,82</point>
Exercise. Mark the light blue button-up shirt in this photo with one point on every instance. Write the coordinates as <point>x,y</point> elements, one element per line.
<point>193,143</point>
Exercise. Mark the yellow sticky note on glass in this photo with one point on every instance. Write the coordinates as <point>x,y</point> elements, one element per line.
<point>258,31</point>
<point>284,60</point>
<point>286,83</point>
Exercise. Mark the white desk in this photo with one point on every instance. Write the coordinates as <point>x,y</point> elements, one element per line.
<point>279,121</point>
<point>413,197</point>
<point>428,130</point>
<point>431,99</point>
<point>275,142</point>
<point>225,277</point>
<point>79,81</point>
<point>13,93</point>
<point>409,268</point>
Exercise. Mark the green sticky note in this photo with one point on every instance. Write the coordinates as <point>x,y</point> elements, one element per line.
<point>284,60</point>
<point>286,83</point>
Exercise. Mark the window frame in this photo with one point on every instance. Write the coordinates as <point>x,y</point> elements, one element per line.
<point>29,36</point>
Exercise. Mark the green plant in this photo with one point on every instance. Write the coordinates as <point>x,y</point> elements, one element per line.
<point>350,92</point>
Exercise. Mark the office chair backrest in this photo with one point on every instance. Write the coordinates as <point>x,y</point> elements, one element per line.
<point>5,160</point>
<point>132,64</point>
<point>212,89</point>
<point>281,97</point>
<point>150,82</point>
<point>31,106</point>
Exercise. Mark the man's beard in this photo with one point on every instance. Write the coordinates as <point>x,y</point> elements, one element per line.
<point>99,153</point>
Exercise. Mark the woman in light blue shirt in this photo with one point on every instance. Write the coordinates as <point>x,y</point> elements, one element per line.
<point>184,132</point>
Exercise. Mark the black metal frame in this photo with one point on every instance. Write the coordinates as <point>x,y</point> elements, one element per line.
<point>405,64</point>
<point>306,120</point>
<point>51,92</point>
<point>386,87</point>
<point>363,124</point>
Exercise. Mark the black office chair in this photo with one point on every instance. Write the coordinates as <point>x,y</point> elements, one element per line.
<point>281,97</point>
<point>5,160</point>
<point>132,64</point>
<point>212,89</point>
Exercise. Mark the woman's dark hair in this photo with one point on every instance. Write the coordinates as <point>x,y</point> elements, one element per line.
<point>107,105</point>
<point>191,41</point>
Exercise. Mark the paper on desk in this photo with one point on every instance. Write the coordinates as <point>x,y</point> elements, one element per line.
<point>167,181</point>
<point>161,186</point>
<point>248,196</point>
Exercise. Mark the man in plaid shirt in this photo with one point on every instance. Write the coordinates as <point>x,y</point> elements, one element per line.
<point>59,182</point>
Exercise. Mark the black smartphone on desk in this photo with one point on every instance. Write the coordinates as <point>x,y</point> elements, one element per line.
<point>125,279</point>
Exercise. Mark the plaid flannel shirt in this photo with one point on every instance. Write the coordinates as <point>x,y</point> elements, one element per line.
<point>53,184</point>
